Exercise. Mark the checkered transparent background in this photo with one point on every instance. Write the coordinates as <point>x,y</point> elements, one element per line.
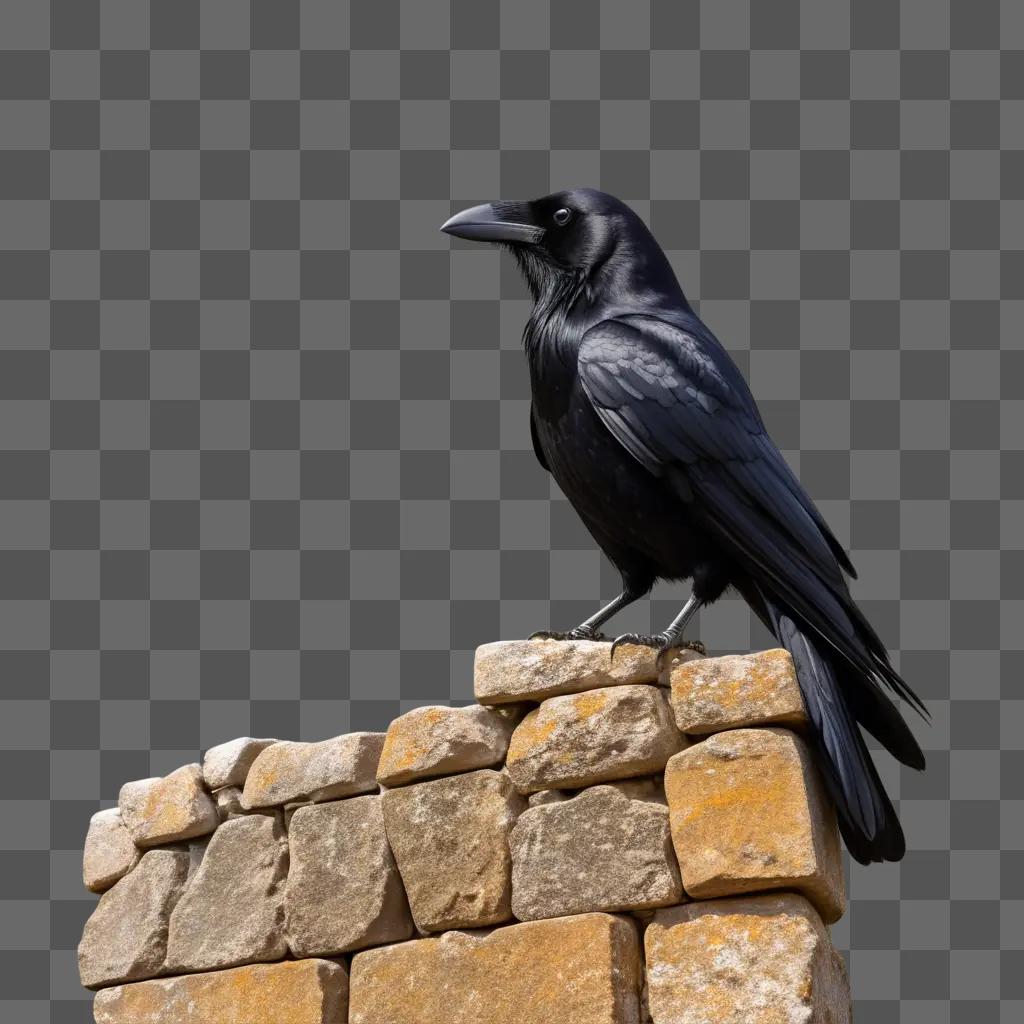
<point>264,456</point>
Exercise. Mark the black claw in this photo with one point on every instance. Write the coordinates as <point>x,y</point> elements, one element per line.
<point>634,638</point>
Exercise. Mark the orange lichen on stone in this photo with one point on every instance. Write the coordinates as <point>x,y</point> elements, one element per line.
<point>590,703</point>
<point>163,810</point>
<point>749,812</point>
<point>583,969</point>
<point>294,992</point>
<point>762,958</point>
<point>737,690</point>
<point>531,732</point>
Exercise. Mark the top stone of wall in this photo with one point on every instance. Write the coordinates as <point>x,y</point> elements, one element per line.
<point>577,803</point>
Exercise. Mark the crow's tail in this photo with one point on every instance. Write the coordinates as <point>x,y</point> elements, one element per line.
<point>867,819</point>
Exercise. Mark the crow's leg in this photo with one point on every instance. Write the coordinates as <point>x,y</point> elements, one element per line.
<point>588,629</point>
<point>671,637</point>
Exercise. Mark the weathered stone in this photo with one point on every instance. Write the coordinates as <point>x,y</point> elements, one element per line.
<point>164,810</point>
<point>749,812</point>
<point>760,958</point>
<point>227,764</point>
<point>290,771</point>
<point>109,852</point>
<point>232,911</point>
<point>515,670</point>
<point>431,741</point>
<point>583,970</point>
<point>581,739</point>
<point>712,694</point>
<point>650,788</point>
<point>599,851</point>
<point>296,992</point>
<point>450,840</point>
<point>125,938</point>
<point>229,802</point>
<point>344,891</point>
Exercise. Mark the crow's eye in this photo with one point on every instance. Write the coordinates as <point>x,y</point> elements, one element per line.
<point>562,216</point>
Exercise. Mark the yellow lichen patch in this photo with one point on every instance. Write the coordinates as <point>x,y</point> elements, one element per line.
<point>532,732</point>
<point>296,992</point>
<point>587,704</point>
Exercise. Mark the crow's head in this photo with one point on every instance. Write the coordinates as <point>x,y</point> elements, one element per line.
<point>576,233</point>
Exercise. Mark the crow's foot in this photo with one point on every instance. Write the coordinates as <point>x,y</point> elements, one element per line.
<point>661,642</point>
<point>579,633</point>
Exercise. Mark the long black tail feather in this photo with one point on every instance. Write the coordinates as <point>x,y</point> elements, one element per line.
<point>867,819</point>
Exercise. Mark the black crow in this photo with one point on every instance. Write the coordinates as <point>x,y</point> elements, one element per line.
<point>651,432</point>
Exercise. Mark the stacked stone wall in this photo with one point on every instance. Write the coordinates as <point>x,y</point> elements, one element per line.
<point>592,842</point>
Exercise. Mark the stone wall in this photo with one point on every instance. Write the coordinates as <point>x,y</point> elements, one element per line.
<point>591,843</point>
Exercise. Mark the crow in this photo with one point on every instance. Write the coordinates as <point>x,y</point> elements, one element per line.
<point>651,432</point>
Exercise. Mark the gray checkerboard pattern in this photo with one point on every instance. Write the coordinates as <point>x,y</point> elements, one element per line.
<point>264,457</point>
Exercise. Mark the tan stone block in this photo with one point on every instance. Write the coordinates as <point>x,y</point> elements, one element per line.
<point>295,992</point>
<point>431,741</point>
<point>577,970</point>
<point>600,851</point>
<point>227,764</point>
<point>450,840</point>
<point>232,911</point>
<point>737,690</point>
<point>749,812</point>
<point>165,810</point>
<point>581,739</point>
<point>344,891</point>
<point>514,670</point>
<point>290,771</point>
<point>109,852</point>
<point>761,958</point>
<point>125,938</point>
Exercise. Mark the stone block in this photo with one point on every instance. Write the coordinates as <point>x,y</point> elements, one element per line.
<point>168,809</point>
<point>582,739</point>
<point>450,840</point>
<point>749,812</point>
<point>125,937</point>
<point>295,992</point>
<point>290,771</point>
<point>736,691</point>
<point>109,852</point>
<point>431,741</point>
<point>515,670</point>
<point>344,891</point>
<point>232,911</point>
<point>600,851</point>
<point>227,764</point>
<point>764,958</point>
<point>583,970</point>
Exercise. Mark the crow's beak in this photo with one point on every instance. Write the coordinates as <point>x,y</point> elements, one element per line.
<point>494,222</point>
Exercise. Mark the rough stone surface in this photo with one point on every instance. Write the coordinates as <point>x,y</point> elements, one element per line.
<point>232,911</point>
<point>582,739</point>
<point>344,891</point>
<point>229,802</point>
<point>227,764</point>
<point>549,796</point>
<point>290,771</point>
<point>734,961</point>
<point>515,670</point>
<point>749,812</point>
<point>164,810</point>
<point>737,690</point>
<point>109,852</point>
<point>450,840</point>
<point>583,970</point>
<point>296,992</point>
<point>432,741</point>
<point>125,938</point>
<point>599,851</point>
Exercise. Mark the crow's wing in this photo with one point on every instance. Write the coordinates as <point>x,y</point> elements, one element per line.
<point>536,441</point>
<point>675,401</point>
